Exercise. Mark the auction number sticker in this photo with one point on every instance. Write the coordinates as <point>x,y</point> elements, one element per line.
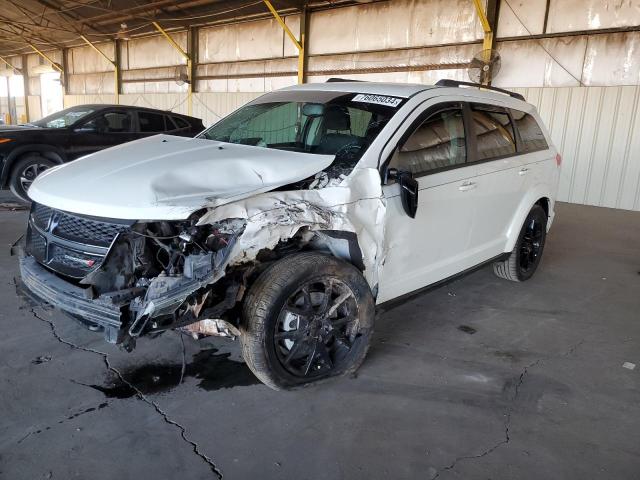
<point>377,99</point>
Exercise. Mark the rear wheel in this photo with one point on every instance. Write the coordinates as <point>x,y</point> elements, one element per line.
<point>525,256</point>
<point>25,172</point>
<point>307,317</point>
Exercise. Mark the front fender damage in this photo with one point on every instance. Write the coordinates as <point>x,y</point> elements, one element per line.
<point>356,205</point>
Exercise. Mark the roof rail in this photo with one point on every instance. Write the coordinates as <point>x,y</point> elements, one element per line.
<point>335,80</point>
<point>456,83</point>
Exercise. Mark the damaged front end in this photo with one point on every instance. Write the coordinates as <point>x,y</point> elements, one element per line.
<point>134,278</point>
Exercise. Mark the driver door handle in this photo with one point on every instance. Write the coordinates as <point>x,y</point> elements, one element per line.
<point>467,186</point>
<point>523,171</point>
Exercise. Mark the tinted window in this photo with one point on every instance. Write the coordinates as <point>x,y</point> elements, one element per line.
<point>437,143</point>
<point>530,132</point>
<point>111,122</point>
<point>151,122</point>
<point>180,122</point>
<point>494,132</point>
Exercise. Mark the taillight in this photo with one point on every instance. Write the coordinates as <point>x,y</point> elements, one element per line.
<point>558,159</point>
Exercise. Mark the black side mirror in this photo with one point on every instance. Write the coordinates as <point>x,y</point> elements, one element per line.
<point>408,189</point>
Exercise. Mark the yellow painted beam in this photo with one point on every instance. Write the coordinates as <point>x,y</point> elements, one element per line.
<point>187,57</point>
<point>171,40</point>
<point>299,44</point>
<point>282,24</point>
<point>47,58</point>
<point>112,62</point>
<point>487,43</point>
<point>15,69</point>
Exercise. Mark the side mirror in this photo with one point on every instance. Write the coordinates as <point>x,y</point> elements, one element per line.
<point>408,189</point>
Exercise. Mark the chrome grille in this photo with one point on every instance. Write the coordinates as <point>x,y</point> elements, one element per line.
<point>70,244</point>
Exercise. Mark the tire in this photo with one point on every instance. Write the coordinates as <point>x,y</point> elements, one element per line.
<point>525,256</point>
<point>293,333</point>
<point>24,173</point>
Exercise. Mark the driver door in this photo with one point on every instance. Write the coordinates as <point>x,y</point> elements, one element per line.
<point>107,129</point>
<point>435,244</point>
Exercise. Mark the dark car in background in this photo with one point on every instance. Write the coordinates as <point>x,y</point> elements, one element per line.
<point>27,150</point>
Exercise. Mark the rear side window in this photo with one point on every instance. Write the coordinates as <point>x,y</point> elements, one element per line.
<point>437,143</point>
<point>180,122</point>
<point>151,122</point>
<point>530,132</point>
<point>494,133</point>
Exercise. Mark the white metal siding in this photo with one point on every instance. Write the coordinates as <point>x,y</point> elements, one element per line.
<point>597,131</point>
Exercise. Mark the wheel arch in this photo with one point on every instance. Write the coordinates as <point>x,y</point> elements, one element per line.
<point>540,195</point>
<point>49,152</point>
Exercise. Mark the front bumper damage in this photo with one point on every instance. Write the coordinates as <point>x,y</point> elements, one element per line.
<point>146,284</point>
<point>49,288</point>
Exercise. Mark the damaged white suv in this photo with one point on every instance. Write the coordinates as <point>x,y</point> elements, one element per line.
<point>286,222</point>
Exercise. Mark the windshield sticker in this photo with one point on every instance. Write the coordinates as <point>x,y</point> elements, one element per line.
<point>377,99</point>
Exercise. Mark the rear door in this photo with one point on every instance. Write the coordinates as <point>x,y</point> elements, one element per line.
<point>433,245</point>
<point>513,156</point>
<point>500,178</point>
<point>153,123</point>
<point>106,129</point>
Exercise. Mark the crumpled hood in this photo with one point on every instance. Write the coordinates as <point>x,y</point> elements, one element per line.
<point>168,178</point>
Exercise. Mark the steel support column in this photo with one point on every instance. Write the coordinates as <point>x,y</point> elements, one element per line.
<point>186,56</point>
<point>26,87</point>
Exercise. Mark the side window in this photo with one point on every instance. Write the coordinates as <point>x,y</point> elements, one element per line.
<point>180,122</point>
<point>169,124</point>
<point>530,132</point>
<point>494,132</point>
<point>151,122</point>
<point>438,142</point>
<point>111,122</point>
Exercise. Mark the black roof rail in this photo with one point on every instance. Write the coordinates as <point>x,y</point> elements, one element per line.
<point>445,82</point>
<point>335,80</point>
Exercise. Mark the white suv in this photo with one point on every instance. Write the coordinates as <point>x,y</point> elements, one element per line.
<point>286,222</point>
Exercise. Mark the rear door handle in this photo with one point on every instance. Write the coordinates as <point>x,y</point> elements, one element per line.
<point>523,171</point>
<point>467,186</point>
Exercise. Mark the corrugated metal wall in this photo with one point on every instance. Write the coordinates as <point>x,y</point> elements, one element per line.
<point>597,130</point>
<point>585,84</point>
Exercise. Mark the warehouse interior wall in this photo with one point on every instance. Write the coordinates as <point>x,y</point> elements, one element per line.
<point>578,61</point>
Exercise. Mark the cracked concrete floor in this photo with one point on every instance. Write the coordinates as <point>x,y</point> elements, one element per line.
<point>478,379</point>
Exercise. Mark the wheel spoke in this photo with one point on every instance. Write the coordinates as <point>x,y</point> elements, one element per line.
<point>323,353</point>
<point>309,362</point>
<point>339,301</point>
<point>292,353</point>
<point>341,321</point>
<point>328,291</point>
<point>288,335</point>
<point>341,339</point>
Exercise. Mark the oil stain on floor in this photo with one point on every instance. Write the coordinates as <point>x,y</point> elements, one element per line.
<point>214,370</point>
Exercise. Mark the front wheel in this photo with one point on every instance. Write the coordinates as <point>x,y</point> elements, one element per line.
<point>25,172</point>
<point>525,256</point>
<point>307,317</point>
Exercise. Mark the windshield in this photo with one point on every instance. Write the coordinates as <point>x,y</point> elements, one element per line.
<point>330,123</point>
<point>64,118</point>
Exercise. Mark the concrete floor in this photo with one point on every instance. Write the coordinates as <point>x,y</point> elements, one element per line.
<point>479,379</point>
